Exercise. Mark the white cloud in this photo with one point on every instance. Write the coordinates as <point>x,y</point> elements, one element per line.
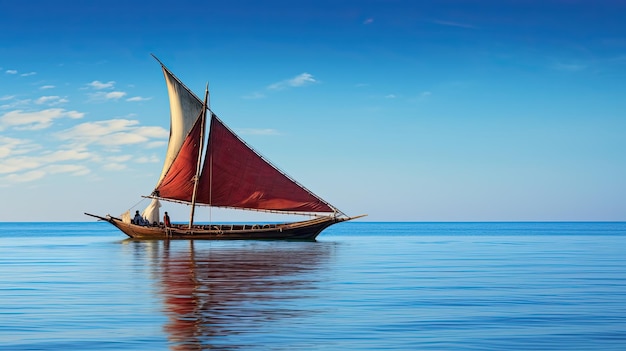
<point>11,147</point>
<point>390,96</point>
<point>123,138</point>
<point>7,97</point>
<point>36,174</point>
<point>51,100</point>
<point>76,170</point>
<point>45,87</point>
<point>35,120</point>
<point>75,114</point>
<point>15,103</point>
<point>297,81</point>
<point>96,84</point>
<point>114,95</point>
<point>368,21</point>
<point>11,71</point>
<point>67,155</point>
<point>24,177</point>
<point>18,164</point>
<point>104,96</point>
<point>28,74</point>
<point>115,132</point>
<point>138,98</point>
<point>153,132</point>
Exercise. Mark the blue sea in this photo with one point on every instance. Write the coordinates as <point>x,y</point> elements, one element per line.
<point>360,286</point>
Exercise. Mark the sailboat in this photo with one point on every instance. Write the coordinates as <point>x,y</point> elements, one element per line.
<point>227,173</point>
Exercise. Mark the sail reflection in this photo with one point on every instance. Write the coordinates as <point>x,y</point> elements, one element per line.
<point>212,293</point>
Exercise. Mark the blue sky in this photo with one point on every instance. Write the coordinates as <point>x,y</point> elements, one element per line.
<point>404,110</point>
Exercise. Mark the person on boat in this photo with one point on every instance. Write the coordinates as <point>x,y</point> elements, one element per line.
<point>166,220</point>
<point>137,219</point>
<point>140,220</point>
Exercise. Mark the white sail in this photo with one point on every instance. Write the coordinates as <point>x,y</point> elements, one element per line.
<point>151,213</point>
<point>126,217</point>
<point>185,108</point>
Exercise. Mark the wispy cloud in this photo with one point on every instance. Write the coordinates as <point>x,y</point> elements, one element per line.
<point>107,96</point>
<point>297,81</point>
<point>303,79</point>
<point>76,149</point>
<point>23,163</point>
<point>115,132</point>
<point>76,170</point>
<point>14,71</point>
<point>115,95</point>
<point>104,95</point>
<point>96,84</point>
<point>11,147</point>
<point>28,168</point>
<point>24,177</point>
<point>13,103</point>
<point>138,98</point>
<point>368,21</point>
<point>51,100</point>
<point>35,120</point>
<point>22,160</point>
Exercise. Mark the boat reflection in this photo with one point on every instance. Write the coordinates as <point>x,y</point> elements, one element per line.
<point>212,293</point>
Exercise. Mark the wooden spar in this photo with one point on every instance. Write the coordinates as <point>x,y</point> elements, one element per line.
<point>197,177</point>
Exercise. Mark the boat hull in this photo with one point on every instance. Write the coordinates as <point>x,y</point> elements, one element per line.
<point>303,230</point>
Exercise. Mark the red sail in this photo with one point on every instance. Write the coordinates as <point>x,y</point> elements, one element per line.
<point>234,175</point>
<point>178,181</point>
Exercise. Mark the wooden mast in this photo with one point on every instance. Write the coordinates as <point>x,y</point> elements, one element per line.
<point>196,177</point>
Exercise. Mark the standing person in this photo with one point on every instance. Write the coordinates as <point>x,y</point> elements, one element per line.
<point>166,220</point>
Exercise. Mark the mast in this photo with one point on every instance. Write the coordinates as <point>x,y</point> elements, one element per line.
<point>196,177</point>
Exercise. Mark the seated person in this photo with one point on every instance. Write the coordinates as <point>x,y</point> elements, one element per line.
<point>139,220</point>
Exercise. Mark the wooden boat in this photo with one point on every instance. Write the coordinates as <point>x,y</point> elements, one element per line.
<point>227,173</point>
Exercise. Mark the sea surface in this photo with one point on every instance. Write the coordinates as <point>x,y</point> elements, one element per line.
<point>360,286</point>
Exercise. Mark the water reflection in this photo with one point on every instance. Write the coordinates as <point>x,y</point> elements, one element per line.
<point>211,292</point>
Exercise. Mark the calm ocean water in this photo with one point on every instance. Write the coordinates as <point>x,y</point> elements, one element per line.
<point>361,286</point>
